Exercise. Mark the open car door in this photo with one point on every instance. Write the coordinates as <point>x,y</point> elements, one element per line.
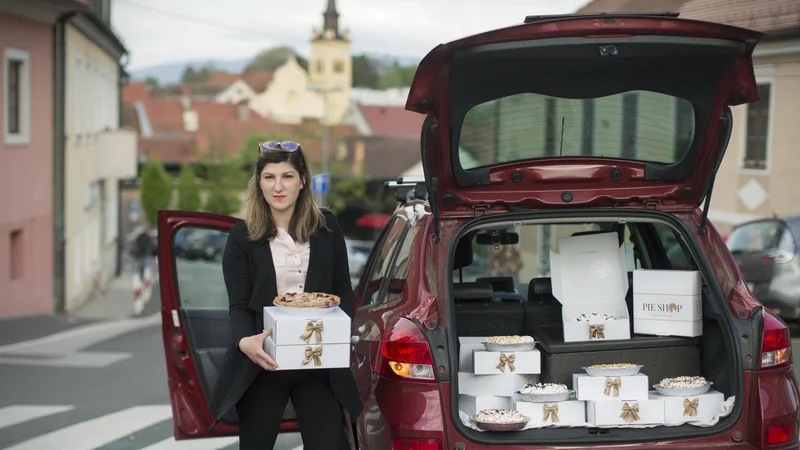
<point>194,316</point>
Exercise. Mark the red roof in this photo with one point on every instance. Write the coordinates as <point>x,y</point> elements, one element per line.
<point>258,80</point>
<point>135,92</point>
<point>392,120</point>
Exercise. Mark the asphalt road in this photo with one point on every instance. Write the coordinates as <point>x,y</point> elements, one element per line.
<point>97,386</point>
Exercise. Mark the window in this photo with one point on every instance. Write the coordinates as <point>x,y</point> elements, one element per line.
<point>755,237</point>
<point>379,267</point>
<point>17,253</point>
<point>675,254</point>
<point>400,270</point>
<point>755,152</point>
<point>320,66</point>
<point>635,125</point>
<point>17,95</point>
<point>198,266</point>
<point>338,66</point>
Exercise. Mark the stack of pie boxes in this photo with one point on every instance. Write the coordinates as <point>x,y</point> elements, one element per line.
<point>618,400</point>
<point>488,380</point>
<point>311,341</point>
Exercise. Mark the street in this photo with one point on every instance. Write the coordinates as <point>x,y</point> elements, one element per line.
<point>99,385</point>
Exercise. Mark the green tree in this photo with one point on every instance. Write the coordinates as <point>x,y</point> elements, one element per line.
<point>224,180</point>
<point>397,76</point>
<point>151,81</point>
<point>198,75</point>
<point>365,72</point>
<point>188,190</point>
<point>344,189</point>
<point>155,190</point>
<point>272,58</point>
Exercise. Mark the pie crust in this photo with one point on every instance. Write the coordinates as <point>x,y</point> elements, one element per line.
<point>307,300</point>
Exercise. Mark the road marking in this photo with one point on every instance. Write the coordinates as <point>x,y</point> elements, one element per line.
<point>93,360</point>
<point>194,444</point>
<point>99,431</point>
<point>16,414</point>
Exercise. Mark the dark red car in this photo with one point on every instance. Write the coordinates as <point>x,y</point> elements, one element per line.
<point>559,126</point>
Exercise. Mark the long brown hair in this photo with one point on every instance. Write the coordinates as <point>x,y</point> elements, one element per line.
<point>307,218</point>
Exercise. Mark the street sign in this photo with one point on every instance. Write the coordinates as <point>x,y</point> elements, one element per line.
<point>321,183</point>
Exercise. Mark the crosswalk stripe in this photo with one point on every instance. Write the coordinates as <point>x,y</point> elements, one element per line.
<point>95,432</point>
<point>194,444</point>
<point>16,414</point>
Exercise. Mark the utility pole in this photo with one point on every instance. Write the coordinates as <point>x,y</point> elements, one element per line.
<point>325,119</point>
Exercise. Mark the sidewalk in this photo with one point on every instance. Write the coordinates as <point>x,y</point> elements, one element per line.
<point>125,296</point>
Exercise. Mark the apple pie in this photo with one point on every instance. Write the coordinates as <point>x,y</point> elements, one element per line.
<point>307,300</point>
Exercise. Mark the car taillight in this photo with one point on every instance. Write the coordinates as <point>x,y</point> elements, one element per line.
<point>405,353</point>
<point>779,257</point>
<point>776,345</point>
<point>780,434</point>
<point>416,444</point>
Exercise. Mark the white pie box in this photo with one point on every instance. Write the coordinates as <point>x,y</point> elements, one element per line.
<point>668,327</point>
<point>471,404</point>
<point>289,329</point>
<point>589,276</point>
<point>667,302</point>
<point>678,409</point>
<point>525,362</point>
<point>609,412</point>
<point>503,385</point>
<point>569,413</point>
<point>301,357</point>
<point>634,387</point>
<point>667,282</point>
<point>468,344</point>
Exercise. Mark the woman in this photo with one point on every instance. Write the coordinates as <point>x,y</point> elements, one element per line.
<point>286,244</point>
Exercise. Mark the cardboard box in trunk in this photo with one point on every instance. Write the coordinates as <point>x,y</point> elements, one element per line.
<point>471,404</point>
<point>667,302</point>
<point>467,345</point>
<point>625,412</point>
<point>634,387</point>
<point>493,363</point>
<point>691,408</point>
<point>504,385</point>
<point>589,275</point>
<point>567,413</point>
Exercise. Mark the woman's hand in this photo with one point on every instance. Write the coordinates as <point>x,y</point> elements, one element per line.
<point>253,347</point>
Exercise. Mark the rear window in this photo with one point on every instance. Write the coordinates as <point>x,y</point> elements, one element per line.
<point>635,125</point>
<point>754,237</point>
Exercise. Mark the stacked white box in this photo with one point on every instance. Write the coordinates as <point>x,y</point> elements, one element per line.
<point>472,404</point>
<point>319,341</point>
<point>589,276</point>
<point>667,302</point>
<point>494,363</point>
<point>570,413</point>
<point>633,387</point>
<point>625,412</point>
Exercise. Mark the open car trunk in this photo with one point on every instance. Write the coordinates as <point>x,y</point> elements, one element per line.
<point>503,285</point>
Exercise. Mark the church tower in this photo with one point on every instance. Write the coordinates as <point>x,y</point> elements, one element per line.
<point>331,65</point>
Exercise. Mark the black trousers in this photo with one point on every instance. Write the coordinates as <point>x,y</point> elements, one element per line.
<point>319,414</point>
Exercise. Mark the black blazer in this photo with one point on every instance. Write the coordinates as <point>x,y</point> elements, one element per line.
<point>250,279</point>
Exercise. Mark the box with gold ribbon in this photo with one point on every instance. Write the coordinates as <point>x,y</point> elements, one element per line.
<point>649,411</point>
<point>493,363</point>
<point>634,387</point>
<point>683,409</point>
<point>569,413</point>
<point>308,356</point>
<point>332,327</point>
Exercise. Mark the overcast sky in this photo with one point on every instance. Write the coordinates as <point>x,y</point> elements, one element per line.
<point>165,31</point>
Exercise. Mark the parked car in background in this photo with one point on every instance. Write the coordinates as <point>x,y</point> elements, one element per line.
<point>357,254</point>
<point>766,252</point>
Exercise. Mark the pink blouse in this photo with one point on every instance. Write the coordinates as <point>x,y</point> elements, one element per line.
<point>291,262</point>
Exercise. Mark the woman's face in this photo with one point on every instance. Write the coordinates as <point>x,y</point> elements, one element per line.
<point>281,185</point>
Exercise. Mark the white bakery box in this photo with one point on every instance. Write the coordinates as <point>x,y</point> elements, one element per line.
<point>571,413</point>
<point>667,302</point>
<point>649,411</point>
<point>308,341</point>
<point>503,385</point>
<point>691,408</point>
<point>589,276</point>
<point>632,387</point>
<point>495,363</point>
<point>472,404</point>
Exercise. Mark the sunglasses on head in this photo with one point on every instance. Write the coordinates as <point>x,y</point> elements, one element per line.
<point>285,146</point>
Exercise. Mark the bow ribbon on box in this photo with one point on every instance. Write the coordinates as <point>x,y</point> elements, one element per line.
<point>550,412</point>
<point>315,329</point>
<point>597,331</point>
<point>630,413</point>
<point>506,360</point>
<point>315,354</point>
<point>614,383</point>
<point>690,407</point>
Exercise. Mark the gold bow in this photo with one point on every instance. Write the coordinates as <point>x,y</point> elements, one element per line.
<point>630,413</point>
<point>550,412</point>
<point>506,360</point>
<point>615,383</point>
<point>690,407</point>
<point>311,328</point>
<point>596,331</point>
<point>315,354</point>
